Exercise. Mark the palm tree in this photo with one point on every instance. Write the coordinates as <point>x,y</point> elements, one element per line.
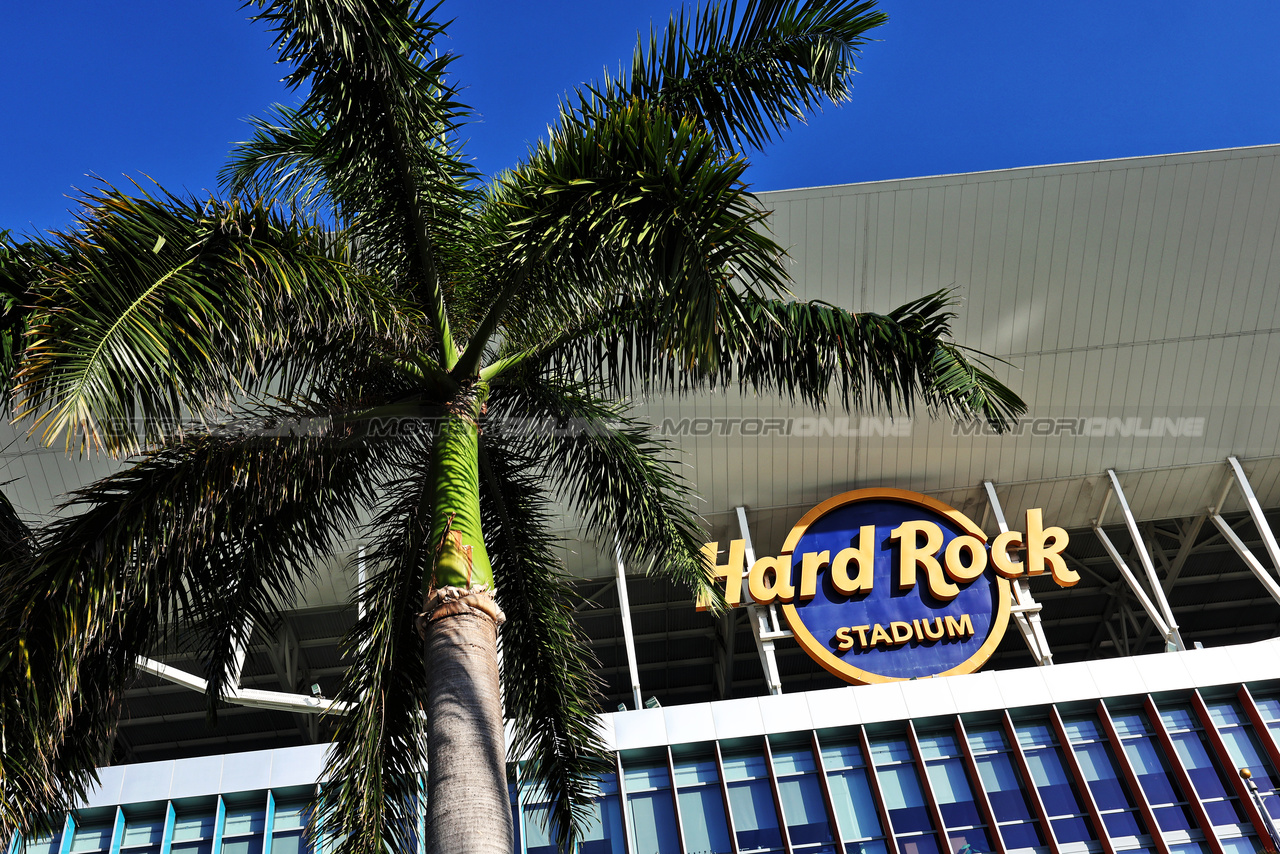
<point>362,332</point>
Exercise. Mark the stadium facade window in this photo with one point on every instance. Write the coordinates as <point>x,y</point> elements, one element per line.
<point>800,796</point>
<point>899,780</point>
<point>1014,817</point>
<point>702,813</point>
<point>751,801</point>
<point>944,765</point>
<point>852,799</point>
<point>1103,777</point>
<point>651,809</point>
<point>1058,793</point>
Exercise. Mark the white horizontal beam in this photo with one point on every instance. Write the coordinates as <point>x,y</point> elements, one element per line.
<point>251,697</point>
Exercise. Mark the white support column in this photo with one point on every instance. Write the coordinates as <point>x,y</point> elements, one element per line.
<point>1025,610</point>
<point>241,651</point>
<point>1259,521</point>
<point>1255,510</point>
<point>764,621</point>
<point>624,604</point>
<point>1158,610</point>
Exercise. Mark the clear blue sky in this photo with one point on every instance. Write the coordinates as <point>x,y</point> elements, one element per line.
<point>159,87</point>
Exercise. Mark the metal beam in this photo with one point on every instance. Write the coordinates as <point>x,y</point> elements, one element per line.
<point>628,638</point>
<point>1163,617</point>
<point>1026,611</point>
<point>764,621</point>
<point>1255,511</point>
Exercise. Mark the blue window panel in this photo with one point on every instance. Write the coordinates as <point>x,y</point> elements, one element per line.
<point>604,833</point>
<point>793,760</point>
<point>938,746</point>
<point>1121,824</point>
<point>754,816</point>
<point>242,845</point>
<point>142,835</point>
<point>805,809</point>
<point>539,831</point>
<point>1103,777</point>
<point>1174,818</point>
<point>1050,778</point>
<point>926,844</point>
<point>702,813</point>
<point>95,837</point>
<point>1240,845</point>
<point>954,795</point>
<point>873,846</point>
<point>1000,780</point>
<point>904,799</point>
<point>1024,835</point>
<point>696,772</point>
<point>749,766</point>
<point>1152,772</point>
<point>1189,848</point>
<point>242,830</point>
<point>982,740</point>
<point>854,805</point>
<point>837,756</point>
<point>652,810</point>
<point>891,750</point>
<point>971,841</point>
<point>1072,829</point>
<point>192,834</point>
<point>43,844</point>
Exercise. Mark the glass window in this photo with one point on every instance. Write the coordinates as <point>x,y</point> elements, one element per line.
<point>43,844</point>
<point>751,800</point>
<point>142,835</point>
<point>604,834</point>
<point>1206,778</point>
<point>288,830</point>
<point>803,805</point>
<point>951,789</point>
<point>1057,792</point>
<point>242,830</point>
<point>1244,750</point>
<point>706,830</point>
<point>1102,776</point>
<point>903,796</point>
<point>851,796</point>
<point>92,837</point>
<point>652,810</point>
<point>192,834</point>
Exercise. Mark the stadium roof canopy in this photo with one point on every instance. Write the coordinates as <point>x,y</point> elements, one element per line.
<point>1134,304</point>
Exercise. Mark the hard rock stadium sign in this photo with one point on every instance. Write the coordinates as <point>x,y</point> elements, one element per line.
<point>879,585</point>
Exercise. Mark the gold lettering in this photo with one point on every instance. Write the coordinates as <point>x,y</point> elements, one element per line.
<point>962,628</point>
<point>959,570</point>
<point>1005,565</point>
<point>879,635</point>
<point>809,566</point>
<point>862,635</point>
<point>916,624</point>
<point>846,642</point>
<point>865,559</point>
<point>914,554</point>
<point>901,631</point>
<point>770,580</point>
<point>731,572</point>
<point>1045,545</point>
<point>930,634</point>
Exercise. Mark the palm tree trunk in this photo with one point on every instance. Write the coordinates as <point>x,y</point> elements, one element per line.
<point>468,811</point>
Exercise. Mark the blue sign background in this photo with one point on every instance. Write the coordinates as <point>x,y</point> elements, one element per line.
<point>829,611</point>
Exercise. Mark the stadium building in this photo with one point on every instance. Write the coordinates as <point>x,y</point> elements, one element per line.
<point>1092,689</point>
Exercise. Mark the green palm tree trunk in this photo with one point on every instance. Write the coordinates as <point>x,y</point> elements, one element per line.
<point>469,811</point>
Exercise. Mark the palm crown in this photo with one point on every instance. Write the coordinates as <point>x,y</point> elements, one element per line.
<point>359,273</point>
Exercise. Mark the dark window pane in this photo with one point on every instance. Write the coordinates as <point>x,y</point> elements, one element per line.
<point>927,844</point>
<point>972,841</point>
<point>875,846</point>
<point>1021,836</point>
<point>963,814</point>
<point>1223,812</point>
<point>1173,818</point>
<point>1118,824</point>
<point>242,845</point>
<point>200,847</point>
<point>1009,806</point>
<point>1060,799</point>
<point>1071,829</point>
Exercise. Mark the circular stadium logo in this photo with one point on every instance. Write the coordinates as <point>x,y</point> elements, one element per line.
<point>879,585</point>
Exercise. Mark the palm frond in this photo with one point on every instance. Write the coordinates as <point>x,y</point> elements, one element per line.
<point>160,310</point>
<point>176,540</point>
<point>611,470</point>
<point>747,77</point>
<point>638,203</point>
<point>389,113</point>
<point>368,803</point>
<point>285,160</point>
<point>548,669</point>
<point>810,351</point>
